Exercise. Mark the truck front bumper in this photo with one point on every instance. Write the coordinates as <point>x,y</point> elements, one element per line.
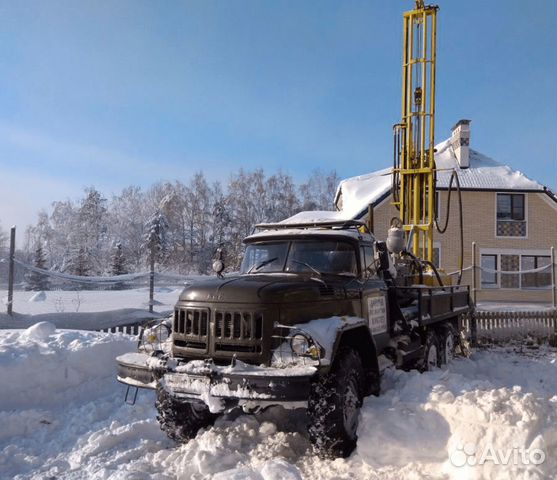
<point>207,382</point>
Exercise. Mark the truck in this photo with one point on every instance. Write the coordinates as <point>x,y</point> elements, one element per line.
<point>310,321</point>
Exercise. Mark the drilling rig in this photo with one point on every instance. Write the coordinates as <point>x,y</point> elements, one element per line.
<point>414,143</point>
<point>414,172</point>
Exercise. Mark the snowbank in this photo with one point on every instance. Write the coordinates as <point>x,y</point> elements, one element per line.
<point>80,320</point>
<point>63,416</point>
<point>43,367</point>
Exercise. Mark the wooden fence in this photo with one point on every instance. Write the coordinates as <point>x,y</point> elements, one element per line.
<point>501,325</point>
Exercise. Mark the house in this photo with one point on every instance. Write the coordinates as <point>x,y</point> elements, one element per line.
<point>511,218</point>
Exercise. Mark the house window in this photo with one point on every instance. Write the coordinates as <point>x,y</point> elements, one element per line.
<point>489,278</point>
<point>511,215</point>
<point>510,263</point>
<point>494,264</point>
<point>539,279</point>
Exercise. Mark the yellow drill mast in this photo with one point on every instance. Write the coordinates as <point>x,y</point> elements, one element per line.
<point>414,163</point>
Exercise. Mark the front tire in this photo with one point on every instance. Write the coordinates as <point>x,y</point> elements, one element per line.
<point>334,406</point>
<point>179,419</point>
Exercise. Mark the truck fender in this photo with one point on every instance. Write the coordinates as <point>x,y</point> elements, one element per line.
<point>358,337</point>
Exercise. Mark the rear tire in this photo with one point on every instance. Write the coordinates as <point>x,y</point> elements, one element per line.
<point>447,343</point>
<point>179,419</point>
<point>334,406</point>
<point>431,357</point>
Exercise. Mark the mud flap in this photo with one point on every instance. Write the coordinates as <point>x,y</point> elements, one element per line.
<point>130,397</point>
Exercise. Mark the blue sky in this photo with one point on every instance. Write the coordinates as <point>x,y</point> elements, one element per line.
<point>112,93</point>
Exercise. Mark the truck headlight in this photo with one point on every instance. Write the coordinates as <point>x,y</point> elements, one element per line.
<point>304,346</point>
<point>299,344</point>
<point>154,336</point>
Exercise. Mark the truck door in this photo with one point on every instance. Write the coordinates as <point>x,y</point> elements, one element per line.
<point>375,305</point>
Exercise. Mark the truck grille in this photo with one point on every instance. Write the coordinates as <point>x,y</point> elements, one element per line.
<point>193,325</point>
<point>238,332</point>
<point>234,332</point>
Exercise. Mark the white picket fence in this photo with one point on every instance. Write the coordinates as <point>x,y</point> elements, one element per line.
<point>501,325</point>
<point>134,329</point>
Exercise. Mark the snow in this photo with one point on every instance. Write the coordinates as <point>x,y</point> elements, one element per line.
<point>38,297</point>
<point>63,416</point>
<point>303,231</point>
<point>324,332</point>
<point>89,309</point>
<point>66,301</point>
<point>483,173</point>
<point>318,216</point>
<point>358,192</point>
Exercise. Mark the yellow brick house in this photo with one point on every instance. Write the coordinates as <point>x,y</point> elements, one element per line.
<point>511,218</point>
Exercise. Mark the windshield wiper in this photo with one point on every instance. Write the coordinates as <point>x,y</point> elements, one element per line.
<point>346,274</point>
<point>307,265</point>
<point>262,264</point>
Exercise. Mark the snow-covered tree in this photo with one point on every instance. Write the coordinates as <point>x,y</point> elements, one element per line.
<point>196,218</point>
<point>319,191</point>
<point>3,240</point>
<point>78,262</point>
<point>155,240</point>
<point>91,234</point>
<point>127,217</point>
<point>35,280</point>
<point>118,265</point>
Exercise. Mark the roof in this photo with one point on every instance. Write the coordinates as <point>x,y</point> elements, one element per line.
<point>484,173</point>
<point>359,192</point>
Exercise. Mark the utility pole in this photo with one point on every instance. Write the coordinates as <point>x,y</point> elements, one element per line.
<point>11,272</point>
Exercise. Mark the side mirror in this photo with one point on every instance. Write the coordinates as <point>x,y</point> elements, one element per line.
<point>218,267</point>
<point>218,262</point>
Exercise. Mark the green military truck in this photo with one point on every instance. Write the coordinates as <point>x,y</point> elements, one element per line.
<point>314,313</point>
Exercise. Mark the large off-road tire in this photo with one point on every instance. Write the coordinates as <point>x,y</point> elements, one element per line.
<point>179,419</point>
<point>431,356</point>
<point>334,406</point>
<point>447,344</point>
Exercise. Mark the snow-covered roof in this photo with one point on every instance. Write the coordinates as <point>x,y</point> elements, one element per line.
<point>483,173</point>
<point>359,192</point>
<point>317,216</point>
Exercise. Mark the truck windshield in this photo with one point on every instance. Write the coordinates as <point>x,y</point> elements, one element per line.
<point>316,257</point>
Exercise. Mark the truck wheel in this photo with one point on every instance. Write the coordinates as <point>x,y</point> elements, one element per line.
<point>447,344</point>
<point>179,419</point>
<point>334,406</point>
<point>431,356</point>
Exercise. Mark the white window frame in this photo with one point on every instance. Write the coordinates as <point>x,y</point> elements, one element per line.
<point>526,219</point>
<point>512,251</point>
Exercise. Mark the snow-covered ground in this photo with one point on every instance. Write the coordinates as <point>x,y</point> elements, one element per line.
<point>88,309</point>
<point>63,301</point>
<point>63,416</point>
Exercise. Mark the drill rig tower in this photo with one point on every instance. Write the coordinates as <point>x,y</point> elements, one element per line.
<point>414,163</point>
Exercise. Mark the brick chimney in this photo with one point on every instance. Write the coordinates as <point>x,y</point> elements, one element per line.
<point>460,140</point>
